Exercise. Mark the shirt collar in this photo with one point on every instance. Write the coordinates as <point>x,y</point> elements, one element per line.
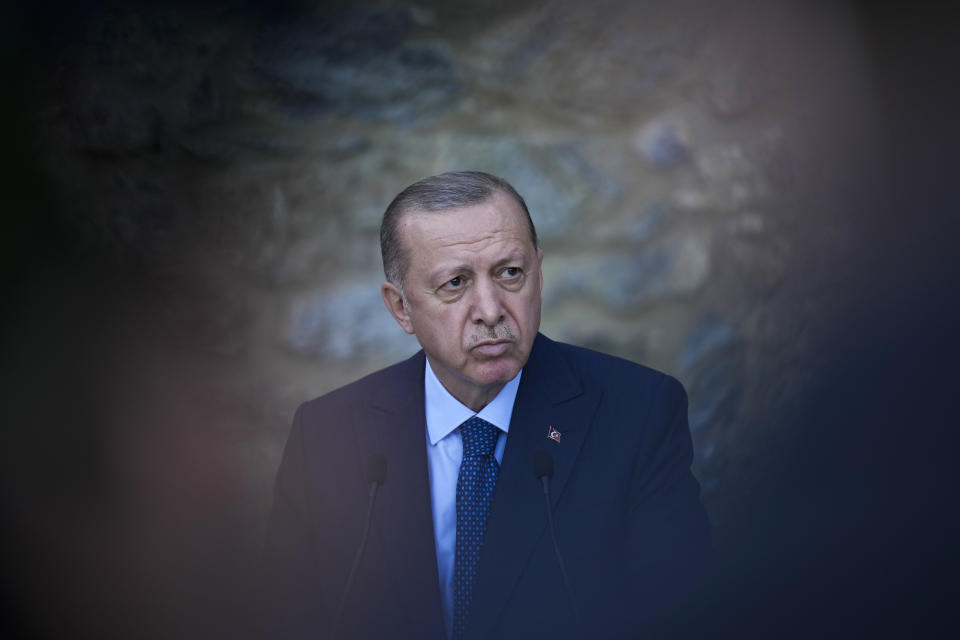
<point>445,413</point>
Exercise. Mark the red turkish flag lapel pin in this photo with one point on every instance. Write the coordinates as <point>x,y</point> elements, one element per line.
<point>553,434</point>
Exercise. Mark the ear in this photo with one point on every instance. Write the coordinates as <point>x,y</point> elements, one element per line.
<point>540,268</point>
<point>393,299</point>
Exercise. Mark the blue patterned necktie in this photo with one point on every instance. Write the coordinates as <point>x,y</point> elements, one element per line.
<point>475,484</point>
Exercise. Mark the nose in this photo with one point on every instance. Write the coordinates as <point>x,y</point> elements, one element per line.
<point>487,307</point>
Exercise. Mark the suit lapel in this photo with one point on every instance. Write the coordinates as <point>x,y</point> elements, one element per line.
<point>395,425</point>
<point>550,396</point>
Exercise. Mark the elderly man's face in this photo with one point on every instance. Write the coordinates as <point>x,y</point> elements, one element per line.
<point>473,291</point>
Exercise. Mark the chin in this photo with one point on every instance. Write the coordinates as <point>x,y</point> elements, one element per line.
<point>493,373</point>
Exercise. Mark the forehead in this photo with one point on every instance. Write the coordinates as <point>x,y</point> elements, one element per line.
<point>497,219</point>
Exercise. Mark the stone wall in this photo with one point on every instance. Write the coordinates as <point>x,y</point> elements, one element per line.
<point>666,155</point>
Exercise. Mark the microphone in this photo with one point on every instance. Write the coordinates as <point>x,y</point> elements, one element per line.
<point>543,471</point>
<point>376,476</point>
<point>376,471</point>
<point>543,467</point>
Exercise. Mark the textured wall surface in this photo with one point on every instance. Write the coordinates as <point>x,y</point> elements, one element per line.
<point>702,176</point>
<point>672,159</point>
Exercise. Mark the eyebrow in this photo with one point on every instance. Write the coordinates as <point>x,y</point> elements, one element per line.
<point>516,256</point>
<point>445,272</point>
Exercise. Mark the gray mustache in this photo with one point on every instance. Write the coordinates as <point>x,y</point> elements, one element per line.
<point>498,332</point>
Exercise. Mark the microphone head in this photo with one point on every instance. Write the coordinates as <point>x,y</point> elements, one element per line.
<point>542,464</point>
<point>376,469</point>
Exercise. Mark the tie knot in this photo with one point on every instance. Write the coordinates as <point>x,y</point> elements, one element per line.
<point>479,437</point>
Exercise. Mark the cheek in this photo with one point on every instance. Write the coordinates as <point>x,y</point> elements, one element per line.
<point>444,325</point>
<point>527,311</point>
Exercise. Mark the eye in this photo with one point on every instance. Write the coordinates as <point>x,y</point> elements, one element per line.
<point>510,273</point>
<point>453,283</point>
<point>453,288</point>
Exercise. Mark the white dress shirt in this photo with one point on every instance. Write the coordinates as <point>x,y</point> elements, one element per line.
<point>444,454</point>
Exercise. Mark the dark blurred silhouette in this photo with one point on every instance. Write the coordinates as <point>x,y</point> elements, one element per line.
<point>855,533</point>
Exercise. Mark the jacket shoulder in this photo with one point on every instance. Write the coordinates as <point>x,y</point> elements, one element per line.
<point>595,367</point>
<point>373,389</point>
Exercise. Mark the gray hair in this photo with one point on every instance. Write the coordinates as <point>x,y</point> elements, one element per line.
<point>438,193</point>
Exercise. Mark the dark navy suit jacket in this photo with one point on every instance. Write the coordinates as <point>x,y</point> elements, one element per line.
<point>625,504</point>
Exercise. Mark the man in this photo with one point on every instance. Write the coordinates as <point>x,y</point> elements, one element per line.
<point>460,545</point>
